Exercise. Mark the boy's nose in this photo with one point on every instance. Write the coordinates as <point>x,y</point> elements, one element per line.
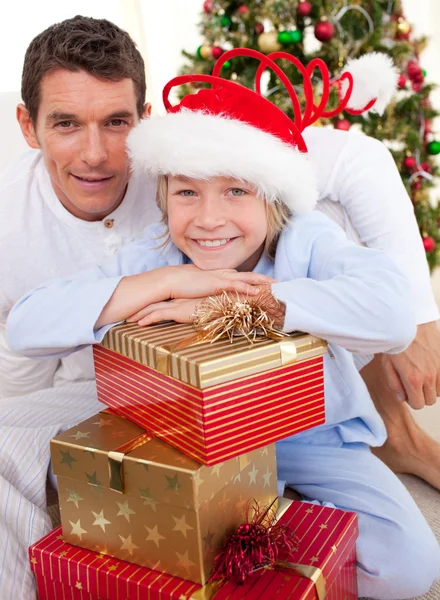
<point>210,214</point>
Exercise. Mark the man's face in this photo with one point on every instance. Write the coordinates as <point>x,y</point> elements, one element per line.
<point>81,128</point>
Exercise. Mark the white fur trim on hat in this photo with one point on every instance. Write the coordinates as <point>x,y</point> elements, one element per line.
<point>201,145</point>
<point>374,76</point>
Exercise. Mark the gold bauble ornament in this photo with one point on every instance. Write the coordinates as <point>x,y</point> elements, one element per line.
<point>206,52</point>
<point>403,26</point>
<point>268,42</point>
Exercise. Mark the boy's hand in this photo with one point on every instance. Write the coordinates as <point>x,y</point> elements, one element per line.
<point>188,281</point>
<point>180,310</point>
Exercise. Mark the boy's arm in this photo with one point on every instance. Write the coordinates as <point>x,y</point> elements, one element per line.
<point>346,294</point>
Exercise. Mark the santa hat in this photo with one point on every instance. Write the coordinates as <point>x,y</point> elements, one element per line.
<point>231,131</point>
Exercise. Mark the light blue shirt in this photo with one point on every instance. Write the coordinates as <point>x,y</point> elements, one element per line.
<point>353,297</point>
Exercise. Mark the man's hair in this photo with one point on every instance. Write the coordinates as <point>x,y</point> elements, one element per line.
<point>278,218</point>
<point>82,44</point>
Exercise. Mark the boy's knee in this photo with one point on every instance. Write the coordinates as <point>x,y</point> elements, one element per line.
<point>411,568</point>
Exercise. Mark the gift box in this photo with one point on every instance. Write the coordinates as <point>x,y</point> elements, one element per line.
<point>214,400</point>
<point>127,494</point>
<point>323,567</point>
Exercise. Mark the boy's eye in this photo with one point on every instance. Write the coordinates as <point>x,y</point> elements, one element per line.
<point>186,193</point>
<point>237,192</point>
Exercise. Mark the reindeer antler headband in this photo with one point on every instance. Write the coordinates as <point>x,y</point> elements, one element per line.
<point>229,130</point>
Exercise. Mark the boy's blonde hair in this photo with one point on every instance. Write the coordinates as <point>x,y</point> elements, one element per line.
<point>278,216</point>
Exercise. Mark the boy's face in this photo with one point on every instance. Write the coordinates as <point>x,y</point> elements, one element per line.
<point>81,128</point>
<point>218,224</point>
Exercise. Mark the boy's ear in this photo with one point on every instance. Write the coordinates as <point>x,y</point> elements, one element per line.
<point>27,126</point>
<point>147,111</point>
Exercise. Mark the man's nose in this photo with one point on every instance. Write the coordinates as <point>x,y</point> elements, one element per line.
<point>94,151</point>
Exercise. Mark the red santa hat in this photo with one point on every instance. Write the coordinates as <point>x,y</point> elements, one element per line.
<point>231,131</point>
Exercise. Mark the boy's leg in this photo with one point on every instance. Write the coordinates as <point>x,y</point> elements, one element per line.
<point>408,448</point>
<point>398,555</point>
<point>27,424</point>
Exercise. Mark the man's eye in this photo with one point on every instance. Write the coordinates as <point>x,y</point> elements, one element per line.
<point>117,122</point>
<point>237,192</point>
<point>64,124</point>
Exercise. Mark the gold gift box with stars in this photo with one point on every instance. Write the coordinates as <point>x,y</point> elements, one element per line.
<point>129,495</point>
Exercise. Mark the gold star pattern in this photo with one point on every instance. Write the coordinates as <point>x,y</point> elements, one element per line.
<point>309,511</point>
<point>207,540</point>
<point>100,520</point>
<point>34,560</point>
<point>323,526</point>
<point>125,510</point>
<point>184,561</point>
<point>216,469</point>
<point>265,451</point>
<point>127,544</point>
<point>79,435</point>
<point>78,585</point>
<point>148,500</point>
<point>237,478</point>
<point>63,553</point>
<point>112,568</point>
<point>181,525</point>
<point>154,535</point>
<point>267,477</point>
<point>67,458</point>
<point>253,475</point>
<point>173,483</point>
<point>334,549</point>
<point>198,479</point>
<point>103,422</point>
<point>224,502</point>
<point>93,479</point>
<point>314,559</point>
<point>77,529</point>
<point>241,502</point>
<point>74,497</point>
<point>59,537</point>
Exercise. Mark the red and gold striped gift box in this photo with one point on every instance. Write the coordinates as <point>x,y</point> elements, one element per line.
<point>324,566</point>
<point>215,400</point>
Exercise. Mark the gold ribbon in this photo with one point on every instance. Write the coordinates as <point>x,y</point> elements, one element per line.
<point>315,574</point>
<point>116,457</point>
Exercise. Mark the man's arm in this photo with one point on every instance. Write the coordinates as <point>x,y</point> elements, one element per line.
<point>365,181</point>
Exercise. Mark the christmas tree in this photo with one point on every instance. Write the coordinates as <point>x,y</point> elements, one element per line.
<point>336,30</point>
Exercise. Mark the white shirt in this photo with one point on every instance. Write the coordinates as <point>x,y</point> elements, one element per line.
<point>39,240</point>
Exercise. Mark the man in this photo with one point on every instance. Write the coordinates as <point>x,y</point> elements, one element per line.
<point>70,203</point>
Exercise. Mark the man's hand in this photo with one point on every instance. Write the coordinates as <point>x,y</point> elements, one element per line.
<point>414,375</point>
<point>181,311</point>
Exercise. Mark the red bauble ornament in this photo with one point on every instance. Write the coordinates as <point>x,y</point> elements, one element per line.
<point>243,9</point>
<point>342,124</point>
<point>416,86</point>
<point>259,28</point>
<point>401,82</point>
<point>428,243</point>
<point>409,162</point>
<point>217,52</point>
<point>208,6</point>
<point>304,9</point>
<point>414,70</point>
<point>416,184</point>
<point>324,30</point>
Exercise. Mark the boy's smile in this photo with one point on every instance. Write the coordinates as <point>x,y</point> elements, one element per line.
<point>218,224</point>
